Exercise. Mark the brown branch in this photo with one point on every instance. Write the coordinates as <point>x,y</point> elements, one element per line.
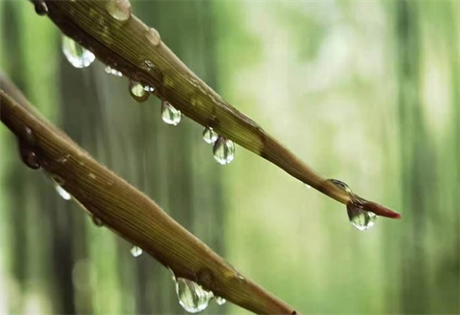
<point>128,45</point>
<point>126,210</point>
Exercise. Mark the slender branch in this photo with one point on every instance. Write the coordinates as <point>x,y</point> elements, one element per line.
<point>127,211</point>
<point>124,42</point>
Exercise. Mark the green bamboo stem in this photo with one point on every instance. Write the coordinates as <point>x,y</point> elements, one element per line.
<point>135,49</point>
<point>127,211</point>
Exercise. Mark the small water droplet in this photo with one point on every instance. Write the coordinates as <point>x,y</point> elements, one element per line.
<point>149,89</point>
<point>26,149</point>
<point>97,222</point>
<point>40,7</point>
<point>220,300</point>
<point>209,135</point>
<point>170,114</point>
<point>359,218</point>
<point>341,185</point>
<point>136,251</point>
<point>63,159</point>
<point>153,36</point>
<point>147,65</point>
<point>138,92</point>
<point>224,150</point>
<point>119,9</point>
<point>62,192</point>
<point>28,156</point>
<point>308,186</point>
<point>78,56</point>
<point>192,297</point>
<point>112,71</point>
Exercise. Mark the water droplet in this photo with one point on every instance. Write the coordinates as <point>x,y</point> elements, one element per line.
<point>97,222</point>
<point>119,9</point>
<point>28,156</point>
<point>112,71</point>
<point>220,300</point>
<point>62,192</point>
<point>40,7</point>
<point>136,251</point>
<point>149,89</point>
<point>224,150</point>
<point>359,218</point>
<point>341,185</point>
<point>26,149</point>
<point>192,297</point>
<point>63,159</point>
<point>308,186</point>
<point>170,114</point>
<point>78,56</point>
<point>153,36</point>
<point>138,92</point>
<point>209,135</point>
<point>147,65</point>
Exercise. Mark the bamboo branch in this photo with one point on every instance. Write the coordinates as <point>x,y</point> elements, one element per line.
<point>124,42</point>
<point>127,211</point>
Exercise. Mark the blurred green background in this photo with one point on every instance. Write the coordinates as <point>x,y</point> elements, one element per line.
<point>367,92</point>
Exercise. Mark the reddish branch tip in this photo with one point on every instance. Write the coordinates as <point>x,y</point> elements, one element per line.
<point>381,210</point>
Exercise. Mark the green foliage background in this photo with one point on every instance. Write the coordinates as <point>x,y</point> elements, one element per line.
<point>364,91</point>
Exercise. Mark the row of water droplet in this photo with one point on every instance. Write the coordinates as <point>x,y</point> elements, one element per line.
<point>79,57</point>
<point>192,297</point>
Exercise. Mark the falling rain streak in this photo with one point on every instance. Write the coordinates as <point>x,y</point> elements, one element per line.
<point>78,56</point>
<point>192,297</point>
<point>362,220</point>
<point>170,114</point>
<point>223,150</point>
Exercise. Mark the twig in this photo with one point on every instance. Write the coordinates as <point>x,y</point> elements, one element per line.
<point>126,210</point>
<point>125,43</point>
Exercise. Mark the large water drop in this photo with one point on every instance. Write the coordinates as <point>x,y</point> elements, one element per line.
<point>170,114</point>
<point>136,251</point>
<point>224,150</point>
<point>119,9</point>
<point>78,56</point>
<point>192,297</point>
<point>359,218</point>
<point>138,92</point>
<point>209,135</point>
